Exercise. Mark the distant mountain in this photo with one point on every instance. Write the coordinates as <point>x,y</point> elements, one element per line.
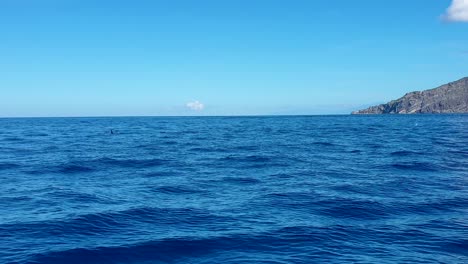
<point>448,98</point>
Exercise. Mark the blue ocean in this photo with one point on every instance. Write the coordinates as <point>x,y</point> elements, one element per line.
<point>284,189</point>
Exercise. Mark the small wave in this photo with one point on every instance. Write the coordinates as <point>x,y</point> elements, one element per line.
<point>9,166</point>
<point>131,163</point>
<point>461,152</point>
<point>351,188</point>
<point>290,200</point>
<point>96,224</point>
<point>439,206</point>
<point>91,224</point>
<point>162,251</point>
<point>443,224</point>
<point>36,135</point>
<point>76,196</point>
<point>87,166</point>
<point>188,249</point>
<point>375,146</point>
<point>365,210</point>
<point>246,148</point>
<point>170,142</point>
<point>159,174</point>
<point>247,159</point>
<point>332,243</point>
<point>207,150</point>
<point>175,190</point>
<point>74,168</point>
<point>283,175</point>
<point>13,139</point>
<point>416,166</point>
<point>67,168</point>
<point>404,153</point>
<point>459,246</point>
<point>251,162</point>
<point>322,143</point>
<point>241,180</point>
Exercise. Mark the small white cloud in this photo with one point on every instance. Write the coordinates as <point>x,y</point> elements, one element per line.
<point>458,11</point>
<point>195,105</point>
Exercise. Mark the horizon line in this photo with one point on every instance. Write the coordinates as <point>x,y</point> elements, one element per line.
<point>124,116</point>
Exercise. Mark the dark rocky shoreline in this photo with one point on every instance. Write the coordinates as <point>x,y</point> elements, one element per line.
<point>448,98</point>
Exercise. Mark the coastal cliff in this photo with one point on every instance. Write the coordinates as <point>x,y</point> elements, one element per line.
<point>448,98</point>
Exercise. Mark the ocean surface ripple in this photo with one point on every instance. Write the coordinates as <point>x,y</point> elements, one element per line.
<point>293,189</point>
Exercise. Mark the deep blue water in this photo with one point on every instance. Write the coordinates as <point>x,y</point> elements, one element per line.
<point>338,189</point>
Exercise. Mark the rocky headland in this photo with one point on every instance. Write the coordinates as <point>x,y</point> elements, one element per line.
<point>448,98</point>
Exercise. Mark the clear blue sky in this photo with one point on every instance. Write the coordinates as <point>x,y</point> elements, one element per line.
<point>88,57</point>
